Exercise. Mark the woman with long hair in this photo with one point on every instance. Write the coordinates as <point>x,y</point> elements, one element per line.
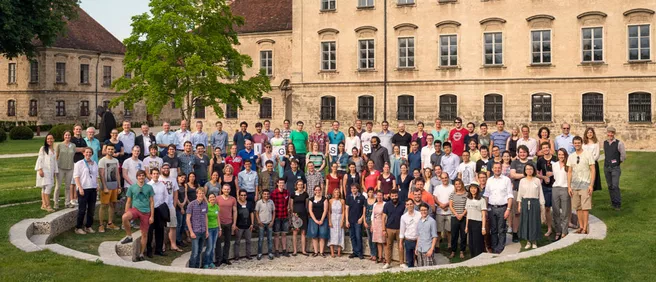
<point>560,199</point>
<point>65,152</point>
<point>544,135</point>
<point>318,229</point>
<point>290,154</point>
<point>506,160</point>
<point>476,216</point>
<point>217,162</point>
<point>352,176</point>
<point>511,143</point>
<point>213,229</point>
<point>357,160</point>
<point>190,190</point>
<point>316,157</point>
<point>352,141</point>
<point>457,202</point>
<point>377,226</point>
<point>180,210</point>
<point>299,206</point>
<point>341,159</point>
<point>278,141</point>
<point>337,216</point>
<point>386,181</point>
<point>403,183</point>
<point>333,182</point>
<point>213,187</point>
<point>368,217</point>
<point>228,177</point>
<point>396,161</point>
<point>531,206</point>
<point>591,144</point>
<point>46,169</point>
<point>117,144</point>
<point>370,176</point>
<point>268,155</point>
<point>416,174</point>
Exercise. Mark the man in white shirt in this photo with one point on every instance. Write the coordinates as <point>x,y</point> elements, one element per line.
<point>127,137</point>
<point>152,161</point>
<point>157,228</point>
<point>408,232</point>
<point>529,142</point>
<point>171,184</point>
<point>427,151</point>
<point>443,214</point>
<point>182,135</point>
<point>467,169</point>
<point>499,196</point>
<point>131,166</point>
<point>85,174</point>
<point>109,176</point>
<point>367,135</point>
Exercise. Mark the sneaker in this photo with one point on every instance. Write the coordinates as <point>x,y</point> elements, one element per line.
<point>403,265</point>
<point>89,230</point>
<point>212,266</point>
<point>127,240</point>
<point>515,238</point>
<point>80,231</point>
<point>284,253</point>
<point>386,266</point>
<point>248,258</point>
<point>351,256</point>
<point>206,266</point>
<point>509,230</point>
<point>270,256</point>
<point>112,226</point>
<point>259,256</point>
<point>140,258</point>
<point>277,254</point>
<point>101,229</point>
<point>73,203</point>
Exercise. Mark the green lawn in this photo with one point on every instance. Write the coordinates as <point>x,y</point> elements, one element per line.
<point>18,180</point>
<point>628,252</point>
<point>21,146</point>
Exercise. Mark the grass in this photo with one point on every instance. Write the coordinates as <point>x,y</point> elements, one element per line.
<point>18,180</point>
<point>21,146</point>
<point>627,253</point>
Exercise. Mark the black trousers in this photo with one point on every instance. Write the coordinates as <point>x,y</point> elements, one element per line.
<point>498,228</point>
<point>222,247</point>
<point>86,207</point>
<point>476,243</point>
<point>458,232</point>
<point>156,229</point>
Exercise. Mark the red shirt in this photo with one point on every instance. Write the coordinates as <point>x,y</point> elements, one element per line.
<point>333,183</point>
<point>427,198</point>
<point>457,139</point>
<point>281,202</point>
<point>235,162</point>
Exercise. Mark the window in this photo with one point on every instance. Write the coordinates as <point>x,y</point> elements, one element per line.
<point>60,108</point>
<point>199,109</point>
<point>11,108</point>
<point>493,108</point>
<point>327,4</point>
<point>173,105</point>
<point>266,108</point>
<point>366,54</point>
<point>448,50</point>
<point>406,2</point>
<point>407,52</point>
<point>107,76</point>
<point>231,111</point>
<point>493,48</point>
<point>593,107</point>
<point>105,104</point>
<point>639,42</point>
<point>593,45</point>
<point>34,107</point>
<point>328,56</point>
<point>84,74</point>
<point>34,71</point>
<point>541,107</point>
<point>84,108</point>
<point>448,107</point>
<point>127,74</point>
<point>60,70</point>
<point>11,73</point>
<point>266,62</point>
<point>327,108</point>
<point>406,108</point>
<point>640,107</point>
<point>365,3</point>
<point>541,47</point>
<point>366,107</point>
<point>126,112</point>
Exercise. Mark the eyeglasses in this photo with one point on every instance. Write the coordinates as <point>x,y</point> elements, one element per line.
<point>242,195</point>
<point>578,159</point>
<point>565,128</point>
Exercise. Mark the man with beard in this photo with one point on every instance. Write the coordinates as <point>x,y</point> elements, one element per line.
<point>401,138</point>
<point>152,161</point>
<point>161,209</point>
<point>392,212</point>
<point>171,184</point>
<point>379,154</point>
<point>416,197</point>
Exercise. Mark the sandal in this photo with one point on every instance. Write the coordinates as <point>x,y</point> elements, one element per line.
<point>462,255</point>
<point>177,250</point>
<point>578,231</point>
<point>452,255</point>
<point>373,259</point>
<point>49,209</point>
<point>557,237</point>
<point>547,234</point>
<point>294,254</point>
<point>323,255</point>
<point>305,254</point>
<point>314,254</point>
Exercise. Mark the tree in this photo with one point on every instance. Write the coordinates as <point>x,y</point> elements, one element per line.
<point>25,25</point>
<point>184,52</point>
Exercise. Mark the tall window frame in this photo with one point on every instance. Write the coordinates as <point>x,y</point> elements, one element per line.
<point>541,47</point>
<point>11,108</point>
<point>34,71</point>
<point>448,50</point>
<point>266,61</point>
<point>448,107</point>
<point>328,108</point>
<point>199,109</point>
<point>231,112</point>
<point>366,54</point>
<point>541,105</point>
<point>592,44</point>
<point>493,107</point>
<point>60,72</point>
<point>60,108</point>
<point>493,48</point>
<point>11,73</point>
<point>366,107</point>
<point>406,49</point>
<point>592,107</point>
<point>84,73</point>
<point>84,108</point>
<point>405,107</point>
<point>328,56</point>
<point>640,107</point>
<point>639,42</point>
<point>266,108</point>
<point>107,76</point>
<point>34,108</point>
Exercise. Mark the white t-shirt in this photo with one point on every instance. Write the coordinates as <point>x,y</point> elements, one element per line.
<point>352,142</point>
<point>151,162</point>
<point>110,167</point>
<point>160,193</point>
<point>171,185</point>
<point>132,167</point>
<point>442,193</point>
<point>468,171</point>
<point>426,153</point>
<point>366,136</point>
<point>580,169</point>
<point>560,175</point>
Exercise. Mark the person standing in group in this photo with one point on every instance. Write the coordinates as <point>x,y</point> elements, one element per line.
<point>333,182</point>
<point>615,155</point>
<point>227,214</point>
<point>286,159</point>
<point>78,140</point>
<point>172,188</point>
<point>474,152</point>
<point>127,138</point>
<point>163,139</point>
<point>376,227</point>
<point>286,131</point>
<point>511,144</point>
<point>190,193</point>
<point>201,164</point>
<point>484,139</point>
<point>93,143</point>
<point>580,182</point>
<point>427,152</point>
<point>85,174</point>
<point>483,163</point>
<point>219,138</point>
<point>476,216</point>
<point>64,154</point>
<point>300,140</point>
<point>531,207</point>
<point>366,136</point>
<point>370,176</point>
<point>46,171</point>
<point>544,135</point>
<point>396,160</point>
<point>392,213</point>
<point>357,159</point>
<point>355,213</point>
<point>471,134</point>
<point>499,196</point>
<point>266,156</point>
<point>316,157</point>
<point>180,208</point>
<point>152,161</point>
<point>265,213</point>
<point>248,181</point>
<point>320,138</point>
<point>565,140</point>
<point>131,166</point>
<point>111,187</point>
<point>427,238</point>
<point>436,157</point>
<point>560,196</point>
<point>156,229</point>
<point>267,130</point>
<point>318,229</point>
<point>234,160</point>
<point>457,137</point>
<point>335,136</point>
<point>276,142</point>
<point>280,198</point>
<point>379,154</point>
<point>487,238</point>
<point>336,217</point>
<point>529,142</point>
<point>213,230</point>
<point>500,137</point>
<point>403,181</point>
<point>183,135</point>
<point>199,136</point>
<point>248,154</point>
<point>259,137</point>
<point>139,205</point>
<point>440,133</point>
<point>442,194</point>
<point>516,174</point>
<point>420,135</point>
<point>358,128</point>
<point>299,206</point>
<point>467,169</point>
<point>414,156</point>
<point>495,157</point>
<point>341,159</point>
<point>545,173</point>
<point>591,145</point>
<point>386,136</point>
<point>450,162</point>
<point>244,222</point>
<point>401,138</point>
<point>240,137</point>
<point>198,222</point>
<point>144,141</point>
<point>268,179</point>
<point>174,163</point>
<point>187,159</point>
<point>352,141</point>
<point>457,202</point>
<point>408,232</point>
<point>113,141</point>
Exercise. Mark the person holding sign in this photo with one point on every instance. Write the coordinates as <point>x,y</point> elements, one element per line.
<point>352,141</point>
<point>379,154</point>
<point>290,154</point>
<point>340,157</point>
<point>268,155</point>
<point>248,154</point>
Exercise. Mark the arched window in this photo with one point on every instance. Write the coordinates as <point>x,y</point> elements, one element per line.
<point>34,108</point>
<point>493,108</point>
<point>541,107</point>
<point>366,107</point>
<point>327,108</point>
<point>406,108</point>
<point>593,107</point>
<point>640,107</point>
<point>11,108</point>
<point>448,107</point>
<point>266,108</point>
<point>84,108</point>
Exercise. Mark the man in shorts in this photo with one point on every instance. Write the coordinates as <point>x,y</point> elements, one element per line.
<point>443,214</point>
<point>280,198</point>
<point>171,184</point>
<point>139,205</point>
<point>109,177</point>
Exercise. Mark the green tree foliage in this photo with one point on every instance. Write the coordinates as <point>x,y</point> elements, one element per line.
<point>183,51</point>
<point>27,24</point>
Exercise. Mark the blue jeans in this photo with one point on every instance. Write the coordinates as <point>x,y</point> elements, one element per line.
<point>180,228</point>
<point>373,250</point>
<point>355,232</point>
<point>269,232</point>
<point>409,247</point>
<point>209,249</point>
<point>196,247</point>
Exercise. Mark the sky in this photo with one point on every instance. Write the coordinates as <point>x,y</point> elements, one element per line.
<point>115,15</point>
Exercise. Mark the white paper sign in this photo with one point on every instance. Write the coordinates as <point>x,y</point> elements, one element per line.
<point>332,149</point>
<point>366,147</point>
<point>280,150</point>
<point>404,151</point>
<point>257,147</point>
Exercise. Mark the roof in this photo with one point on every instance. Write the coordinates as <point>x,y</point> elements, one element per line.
<point>85,33</point>
<point>263,15</point>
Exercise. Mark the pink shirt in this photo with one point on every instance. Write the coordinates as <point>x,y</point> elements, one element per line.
<point>225,209</point>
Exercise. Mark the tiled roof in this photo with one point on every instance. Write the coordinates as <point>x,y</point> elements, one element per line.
<point>85,33</point>
<point>263,15</point>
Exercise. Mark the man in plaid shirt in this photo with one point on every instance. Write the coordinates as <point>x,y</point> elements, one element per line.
<point>280,198</point>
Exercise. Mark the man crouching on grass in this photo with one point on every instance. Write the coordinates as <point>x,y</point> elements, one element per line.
<point>139,205</point>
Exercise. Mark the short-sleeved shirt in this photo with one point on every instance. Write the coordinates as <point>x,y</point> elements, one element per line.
<point>110,167</point>
<point>171,184</point>
<point>394,214</point>
<point>141,196</point>
<point>212,216</point>
<point>499,139</point>
<point>151,162</point>
<point>94,144</point>
<point>457,138</point>
<point>386,140</point>
<point>281,201</point>
<point>426,231</point>
<point>291,177</point>
<point>336,138</point>
<point>243,216</point>
<point>299,139</point>
<point>226,205</point>
<point>118,146</point>
<point>459,201</point>
<point>484,140</point>
<point>240,138</point>
<point>386,183</point>
<point>355,204</point>
<point>414,161</point>
<point>443,194</point>
<point>198,212</point>
<point>260,138</point>
<point>132,167</point>
<point>518,166</point>
<point>442,134</point>
<point>165,138</point>
<point>200,166</point>
<point>545,166</point>
<point>79,143</point>
<point>580,166</point>
<point>249,155</point>
<point>265,211</point>
<point>475,209</point>
<point>468,171</point>
<point>402,140</point>
<point>186,163</point>
<point>320,138</point>
<point>174,162</point>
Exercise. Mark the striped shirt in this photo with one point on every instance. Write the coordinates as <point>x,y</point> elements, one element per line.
<point>459,201</point>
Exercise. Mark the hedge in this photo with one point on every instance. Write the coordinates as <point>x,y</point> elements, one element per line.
<point>58,131</point>
<point>3,135</point>
<point>21,133</point>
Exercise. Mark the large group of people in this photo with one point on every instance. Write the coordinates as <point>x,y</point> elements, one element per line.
<point>405,191</point>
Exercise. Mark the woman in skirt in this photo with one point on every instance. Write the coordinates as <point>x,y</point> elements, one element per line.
<point>591,145</point>
<point>377,225</point>
<point>476,211</point>
<point>531,206</point>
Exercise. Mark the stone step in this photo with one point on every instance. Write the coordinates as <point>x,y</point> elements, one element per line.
<point>40,239</point>
<point>182,260</point>
<point>107,250</point>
